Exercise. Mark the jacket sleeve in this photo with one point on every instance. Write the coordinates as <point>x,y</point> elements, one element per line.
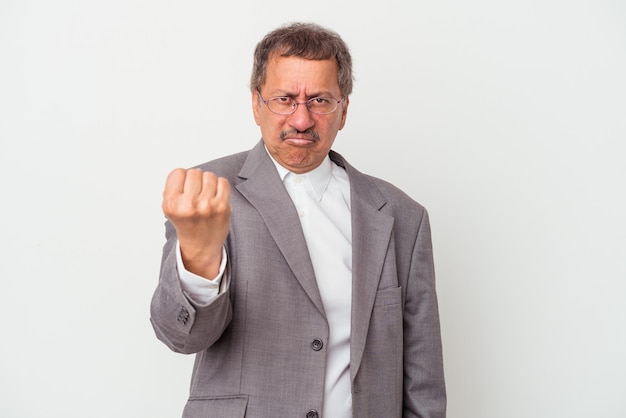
<point>424,386</point>
<point>183,326</point>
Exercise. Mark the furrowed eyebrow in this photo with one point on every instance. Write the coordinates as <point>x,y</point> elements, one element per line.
<point>283,93</point>
<point>322,94</point>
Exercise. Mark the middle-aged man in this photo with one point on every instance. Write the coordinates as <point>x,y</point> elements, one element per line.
<point>305,288</point>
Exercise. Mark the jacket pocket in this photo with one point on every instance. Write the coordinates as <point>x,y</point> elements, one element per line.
<point>216,407</point>
<point>388,296</point>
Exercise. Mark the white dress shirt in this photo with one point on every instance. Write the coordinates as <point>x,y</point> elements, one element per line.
<point>322,199</point>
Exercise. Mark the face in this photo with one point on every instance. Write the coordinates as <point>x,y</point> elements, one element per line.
<point>300,141</point>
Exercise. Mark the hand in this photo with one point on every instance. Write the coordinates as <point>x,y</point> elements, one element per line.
<point>197,203</point>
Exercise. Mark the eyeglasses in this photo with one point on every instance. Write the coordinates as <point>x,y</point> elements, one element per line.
<point>285,105</point>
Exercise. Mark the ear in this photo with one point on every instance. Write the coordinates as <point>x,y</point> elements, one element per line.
<point>256,108</point>
<point>344,112</point>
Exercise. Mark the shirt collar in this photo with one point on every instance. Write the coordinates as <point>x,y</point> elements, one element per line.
<point>319,177</point>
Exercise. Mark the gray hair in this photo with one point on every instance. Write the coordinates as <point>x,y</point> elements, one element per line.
<point>305,40</point>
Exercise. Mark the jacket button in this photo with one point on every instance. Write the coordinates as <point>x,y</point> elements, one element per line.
<point>317,345</point>
<point>183,315</point>
<point>312,414</point>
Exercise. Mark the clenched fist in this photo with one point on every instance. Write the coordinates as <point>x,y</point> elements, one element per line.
<point>197,203</point>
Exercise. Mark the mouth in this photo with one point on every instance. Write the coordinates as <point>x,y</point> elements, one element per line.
<point>305,138</point>
<point>299,141</point>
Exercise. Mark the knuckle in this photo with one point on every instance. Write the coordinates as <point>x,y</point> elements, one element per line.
<point>177,172</point>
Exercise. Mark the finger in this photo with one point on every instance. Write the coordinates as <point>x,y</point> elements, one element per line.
<point>175,182</point>
<point>222,193</point>
<point>209,184</point>
<point>193,182</point>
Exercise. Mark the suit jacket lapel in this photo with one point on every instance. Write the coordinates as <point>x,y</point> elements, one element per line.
<point>371,235</point>
<point>263,188</point>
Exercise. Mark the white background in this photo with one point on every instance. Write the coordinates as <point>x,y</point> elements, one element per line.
<point>507,120</point>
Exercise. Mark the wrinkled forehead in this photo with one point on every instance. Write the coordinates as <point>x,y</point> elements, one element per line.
<point>291,72</point>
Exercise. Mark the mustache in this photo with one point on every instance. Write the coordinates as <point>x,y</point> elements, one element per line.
<point>294,132</point>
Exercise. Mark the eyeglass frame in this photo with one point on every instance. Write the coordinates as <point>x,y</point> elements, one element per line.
<point>295,104</point>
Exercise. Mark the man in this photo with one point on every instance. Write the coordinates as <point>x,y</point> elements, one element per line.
<point>305,288</point>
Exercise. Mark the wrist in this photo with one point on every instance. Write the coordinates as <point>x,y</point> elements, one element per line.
<point>204,262</point>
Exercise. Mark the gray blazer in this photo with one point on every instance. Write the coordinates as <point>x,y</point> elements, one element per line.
<point>260,346</point>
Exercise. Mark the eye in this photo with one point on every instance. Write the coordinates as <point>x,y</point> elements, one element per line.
<point>320,100</point>
<point>282,100</point>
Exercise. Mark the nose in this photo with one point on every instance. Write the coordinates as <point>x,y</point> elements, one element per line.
<point>302,118</point>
